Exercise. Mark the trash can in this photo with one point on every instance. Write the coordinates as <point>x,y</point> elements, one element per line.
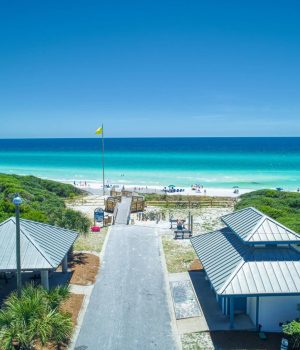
<point>284,344</point>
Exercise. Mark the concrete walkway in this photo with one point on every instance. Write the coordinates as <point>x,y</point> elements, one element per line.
<point>128,307</point>
<point>211,317</point>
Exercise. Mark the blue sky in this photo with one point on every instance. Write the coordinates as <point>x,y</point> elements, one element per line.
<point>149,68</point>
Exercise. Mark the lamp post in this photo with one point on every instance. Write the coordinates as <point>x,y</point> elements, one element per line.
<point>17,202</point>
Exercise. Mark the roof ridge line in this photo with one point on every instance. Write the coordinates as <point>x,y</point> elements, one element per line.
<point>48,225</point>
<point>275,222</point>
<point>235,211</point>
<point>36,244</point>
<point>210,232</point>
<point>283,226</point>
<point>232,275</point>
<point>245,258</point>
<point>12,218</point>
<point>259,223</point>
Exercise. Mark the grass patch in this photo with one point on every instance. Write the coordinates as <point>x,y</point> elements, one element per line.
<point>179,254</point>
<point>91,242</point>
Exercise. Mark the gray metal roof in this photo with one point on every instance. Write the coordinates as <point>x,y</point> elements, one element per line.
<point>253,226</point>
<point>235,268</point>
<point>220,253</point>
<point>42,246</point>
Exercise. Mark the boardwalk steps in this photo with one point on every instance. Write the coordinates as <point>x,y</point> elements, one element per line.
<point>122,212</point>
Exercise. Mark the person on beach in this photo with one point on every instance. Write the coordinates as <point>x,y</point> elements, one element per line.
<point>179,225</point>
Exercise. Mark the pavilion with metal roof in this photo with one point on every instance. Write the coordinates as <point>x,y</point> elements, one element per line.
<point>253,263</point>
<point>253,226</point>
<point>43,247</point>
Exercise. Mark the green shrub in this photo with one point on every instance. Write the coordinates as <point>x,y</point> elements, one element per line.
<point>279,205</point>
<point>292,331</point>
<point>43,201</point>
<point>34,318</point>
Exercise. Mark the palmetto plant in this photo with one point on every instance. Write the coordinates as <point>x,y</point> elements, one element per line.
<point>34,318</point>
<point>292,331</point>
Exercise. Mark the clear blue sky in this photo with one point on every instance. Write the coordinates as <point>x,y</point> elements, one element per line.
<point>149,68</point>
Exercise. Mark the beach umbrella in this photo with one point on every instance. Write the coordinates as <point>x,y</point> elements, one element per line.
<point>171,186</point>
<point>235,187</point>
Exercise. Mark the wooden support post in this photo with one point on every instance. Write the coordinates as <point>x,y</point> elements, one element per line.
<point>226,312</point>
<point>65,264</point>
<point>257,313</point>
<point>45,279</point>
<point>231,313</point>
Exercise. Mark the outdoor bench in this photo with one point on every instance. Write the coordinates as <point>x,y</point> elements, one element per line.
<point>182,234</point>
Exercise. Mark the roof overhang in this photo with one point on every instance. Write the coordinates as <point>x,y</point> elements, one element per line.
<point>257,295</point>
<point>28,269</point>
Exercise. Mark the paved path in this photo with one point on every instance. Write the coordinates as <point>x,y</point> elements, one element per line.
<point>128,309</point>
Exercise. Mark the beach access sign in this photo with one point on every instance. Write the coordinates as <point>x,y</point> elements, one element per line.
<point>99,214</point>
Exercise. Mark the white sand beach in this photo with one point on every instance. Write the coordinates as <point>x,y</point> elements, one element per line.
<point>205,191</point>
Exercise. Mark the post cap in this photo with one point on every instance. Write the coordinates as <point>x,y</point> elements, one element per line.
<point>17,199</point>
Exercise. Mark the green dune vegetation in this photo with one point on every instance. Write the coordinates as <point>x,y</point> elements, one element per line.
<point>279,205</point>
<point>43,201</point>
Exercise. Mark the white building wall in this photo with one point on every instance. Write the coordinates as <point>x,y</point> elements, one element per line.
<point>251,308</point>
<point>273,310</point>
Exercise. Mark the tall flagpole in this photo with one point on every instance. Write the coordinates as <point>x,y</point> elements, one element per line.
<point>103,160</point>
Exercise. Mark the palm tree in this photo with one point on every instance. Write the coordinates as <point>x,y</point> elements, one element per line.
<point>34,318</point>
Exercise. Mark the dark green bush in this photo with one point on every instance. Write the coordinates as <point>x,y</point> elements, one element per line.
<point>279,205</point>
<point>292,331</point>
<point>43,201</point>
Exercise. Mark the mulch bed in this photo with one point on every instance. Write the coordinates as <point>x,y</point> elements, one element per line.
<point>196,265</point>
<point>234,340</point>
<point>85,267</point>
<point>73,306</point>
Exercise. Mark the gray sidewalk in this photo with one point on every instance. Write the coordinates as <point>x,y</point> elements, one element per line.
<point>128,308</point>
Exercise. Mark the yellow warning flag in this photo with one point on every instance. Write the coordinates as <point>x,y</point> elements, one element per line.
<point>99,131</point>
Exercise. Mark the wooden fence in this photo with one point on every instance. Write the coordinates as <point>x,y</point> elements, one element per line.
<point>203,203</point>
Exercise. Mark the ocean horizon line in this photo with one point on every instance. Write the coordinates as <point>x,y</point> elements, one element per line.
<point>150,137</point>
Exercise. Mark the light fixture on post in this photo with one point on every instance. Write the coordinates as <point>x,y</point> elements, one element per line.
<point>17,201</point>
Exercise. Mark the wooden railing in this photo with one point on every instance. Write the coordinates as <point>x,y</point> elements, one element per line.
<point>203,203</point>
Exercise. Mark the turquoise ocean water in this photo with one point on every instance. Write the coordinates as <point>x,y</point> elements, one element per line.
<point>213,162</point>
